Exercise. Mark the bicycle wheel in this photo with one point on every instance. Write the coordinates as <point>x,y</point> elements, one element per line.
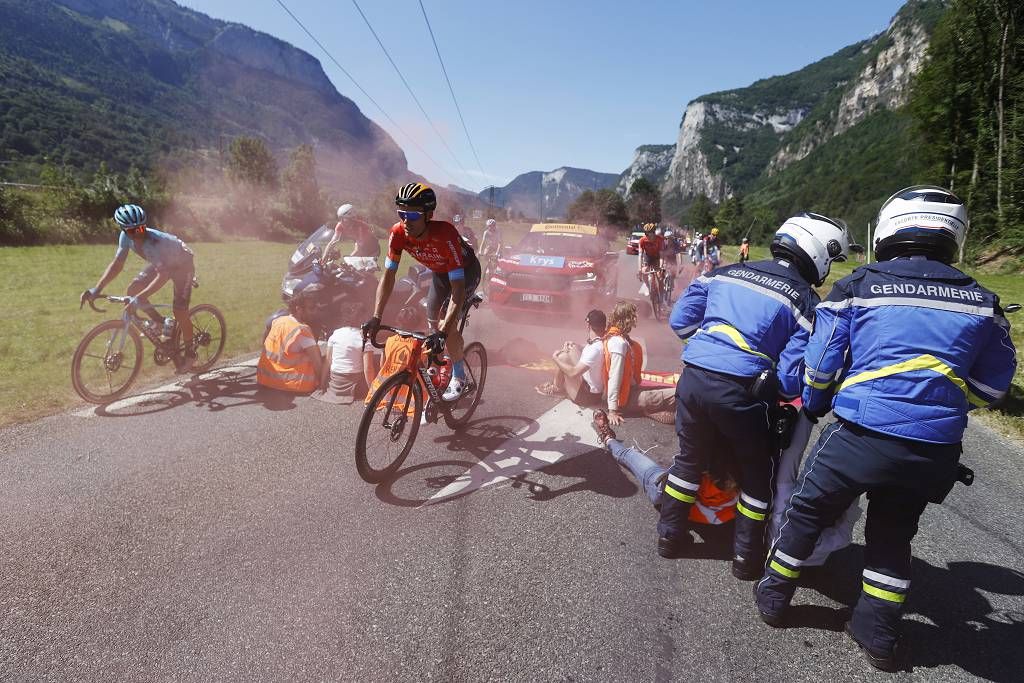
<point>209,332</point>
<point>387,431</point>
<point>106,362</point>
<point>475,359</point>
<point>656,300</point>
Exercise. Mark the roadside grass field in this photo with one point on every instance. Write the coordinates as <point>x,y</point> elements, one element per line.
<point>42,324</point>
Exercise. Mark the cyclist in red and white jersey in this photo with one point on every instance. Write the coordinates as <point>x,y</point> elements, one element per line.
<point>439,247</point>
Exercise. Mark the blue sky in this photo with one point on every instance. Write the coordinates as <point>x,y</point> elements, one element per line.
<point>549,84</point>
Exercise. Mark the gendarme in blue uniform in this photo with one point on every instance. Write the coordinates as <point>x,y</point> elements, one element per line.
<point>930,345</point>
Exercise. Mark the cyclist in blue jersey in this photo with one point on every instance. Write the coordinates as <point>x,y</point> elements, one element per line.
<point>168,259</point>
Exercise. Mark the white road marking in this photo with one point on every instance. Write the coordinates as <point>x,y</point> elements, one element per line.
<point>178,386</point>
<point>560,434</point>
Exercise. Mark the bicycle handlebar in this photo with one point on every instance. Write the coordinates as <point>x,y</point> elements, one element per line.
<point>111,299</point>
<point>433,356</point>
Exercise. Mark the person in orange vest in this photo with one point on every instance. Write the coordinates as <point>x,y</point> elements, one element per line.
<point>291,359</point>
<point>623,361</point>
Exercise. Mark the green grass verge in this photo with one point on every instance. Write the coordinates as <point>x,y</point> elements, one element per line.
<point>42,324</point>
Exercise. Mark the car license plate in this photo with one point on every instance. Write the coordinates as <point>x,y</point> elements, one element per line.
<point>538,298</point>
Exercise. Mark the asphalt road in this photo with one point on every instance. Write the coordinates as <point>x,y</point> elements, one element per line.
<point>203,532</point>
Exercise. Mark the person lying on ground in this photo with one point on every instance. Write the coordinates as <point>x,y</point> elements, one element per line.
<point>578,371</point>
<point>623,361</point>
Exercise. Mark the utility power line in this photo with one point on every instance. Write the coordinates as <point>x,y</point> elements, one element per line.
<point>408,87</point>
<point>451,90</point>
<point>363,90</point>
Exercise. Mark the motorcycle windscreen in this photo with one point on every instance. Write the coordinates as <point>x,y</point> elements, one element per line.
<point>313,246</point>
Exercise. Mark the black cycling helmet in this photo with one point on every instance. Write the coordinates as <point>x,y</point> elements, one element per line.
<point>416,196</point>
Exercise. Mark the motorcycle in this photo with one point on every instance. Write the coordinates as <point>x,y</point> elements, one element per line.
<point>349,287</point>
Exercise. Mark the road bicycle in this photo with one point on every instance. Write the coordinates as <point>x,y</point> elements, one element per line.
<point>658,292</point>
<point>393,414</point>
<point>109,357</point>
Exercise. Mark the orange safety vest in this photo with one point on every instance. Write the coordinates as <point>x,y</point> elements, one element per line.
<point>713,505</point>
<point>281,366</point>
<point>634,362</point>
<point>396,358</point>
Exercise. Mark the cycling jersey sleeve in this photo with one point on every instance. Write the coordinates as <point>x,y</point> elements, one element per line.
<point>396,242</point>
<point>688,313</point>
<point>123,244</point>
<point>825,355</point>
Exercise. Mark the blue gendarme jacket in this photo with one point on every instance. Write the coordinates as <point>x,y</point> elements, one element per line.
<point>907,347</point>
<point>746,318</point>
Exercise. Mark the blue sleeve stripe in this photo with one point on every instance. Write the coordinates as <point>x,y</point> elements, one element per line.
<point>389,264</point>
<point>457,274</point>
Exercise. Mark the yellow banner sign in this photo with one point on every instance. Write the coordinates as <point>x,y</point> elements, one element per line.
<point>564,228</point>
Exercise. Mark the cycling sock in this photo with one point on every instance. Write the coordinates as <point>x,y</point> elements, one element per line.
<point>459,369</point>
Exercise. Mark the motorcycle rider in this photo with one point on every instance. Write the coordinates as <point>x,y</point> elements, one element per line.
<point>169,259</point>
<point>351,227</point>
<point>749,325</point>
<point>902,350</point>
<point>438,246</point>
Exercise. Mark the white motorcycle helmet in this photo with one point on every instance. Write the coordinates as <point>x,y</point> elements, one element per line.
<point>923,219</point>
<point>345,210</point>
<point>668,233</point>
<point>812,242</point>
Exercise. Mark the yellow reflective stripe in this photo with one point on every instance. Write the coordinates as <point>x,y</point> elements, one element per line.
<point>747,512</point>
<point>883,594</point>
<point>816,385</point>
<point>737,339</point>
<point>925,362</point>
<point>679,495</point>
<point>785,571</point>
<point>976,400</point>
<point>276,374</point>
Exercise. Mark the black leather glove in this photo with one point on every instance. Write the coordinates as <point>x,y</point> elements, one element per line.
<point>89,295</point>
<point>370,327</point>
<point>435,342</point>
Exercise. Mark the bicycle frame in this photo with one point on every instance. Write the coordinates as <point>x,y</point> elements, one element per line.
<point>131,318</point>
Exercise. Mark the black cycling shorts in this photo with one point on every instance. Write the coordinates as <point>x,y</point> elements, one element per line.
<point>181,277</point>
<point>441,286</point>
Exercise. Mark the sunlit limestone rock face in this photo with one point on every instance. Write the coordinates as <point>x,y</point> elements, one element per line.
<point>540,194</point>
<point>729,140</point>
<point>650,162</point>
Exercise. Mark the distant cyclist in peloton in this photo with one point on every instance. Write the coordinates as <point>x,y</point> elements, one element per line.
<point>713,248</point>
<point>649,250</point>
<point>491,241</point>
<point>464,230</point>
<point>438,246</point>
<point>169,259</point>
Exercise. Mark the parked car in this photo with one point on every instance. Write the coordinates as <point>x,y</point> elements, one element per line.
<point>555,268</point>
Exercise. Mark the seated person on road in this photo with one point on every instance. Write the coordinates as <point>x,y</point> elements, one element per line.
<point>649,250</point>
<point>439,247</point>
<point>349,227</point>
<point>623,361</point>
<point>578,374</point>
<point>351,365</point>
<point>747,327</point>
<point>291,359</point>
<point>169,259</point>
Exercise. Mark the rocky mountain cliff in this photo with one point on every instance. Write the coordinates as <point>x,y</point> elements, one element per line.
<point>730,141</point>
<point>650,162</point>
<point>133,81</point>
<point>548,195</point>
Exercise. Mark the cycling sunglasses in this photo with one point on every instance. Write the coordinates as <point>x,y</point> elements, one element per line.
<point>136,229</point>
<point>410,215</point>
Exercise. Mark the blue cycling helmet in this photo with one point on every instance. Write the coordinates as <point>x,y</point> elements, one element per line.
<point>130,216</point>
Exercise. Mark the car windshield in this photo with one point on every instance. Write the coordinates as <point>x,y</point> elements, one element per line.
<point>545,243</point>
